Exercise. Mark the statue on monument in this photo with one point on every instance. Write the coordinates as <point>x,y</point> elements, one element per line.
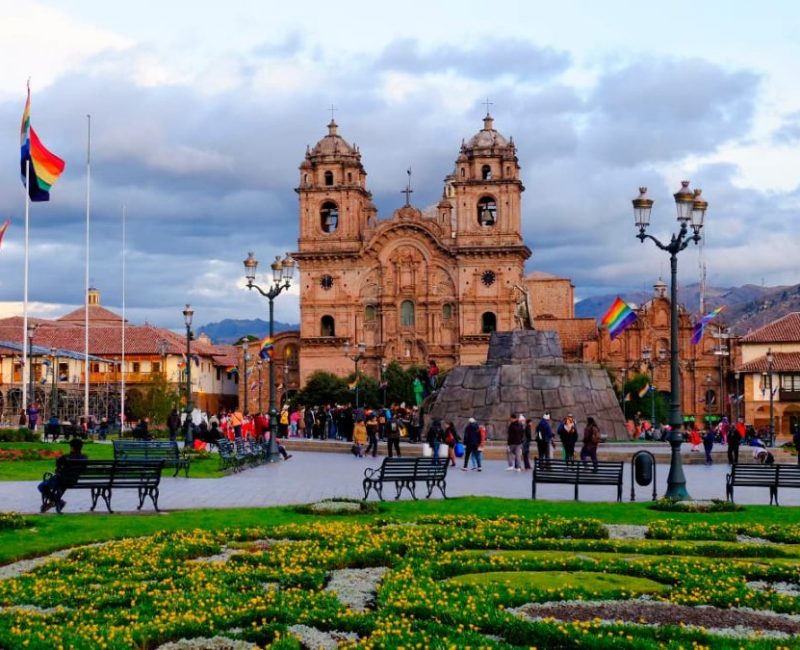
<point>523,312</point>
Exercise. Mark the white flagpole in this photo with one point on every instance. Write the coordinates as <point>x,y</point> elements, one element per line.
<point>25,292</point>
<point>122,365</point>
<point>86,295</point>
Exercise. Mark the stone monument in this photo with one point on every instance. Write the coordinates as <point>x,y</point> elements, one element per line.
<point>525,373</point>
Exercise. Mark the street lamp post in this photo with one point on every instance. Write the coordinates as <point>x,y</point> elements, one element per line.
<point>647,357</point>
<point>282,271</point>
<point>736,393</point>
<point>54,385</point>
<point>384,365</point>
<point>691,208</point>
<point>246,357</point>
<point>260,364</point>
<point>770,362</point>
<point>356,356</point>
<point>188,312</point>
<point>31,384</point>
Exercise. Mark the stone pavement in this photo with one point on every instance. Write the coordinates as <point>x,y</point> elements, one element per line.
<point>311,476</point>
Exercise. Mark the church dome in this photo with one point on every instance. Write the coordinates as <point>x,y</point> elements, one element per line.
<point>332,145</point>
<point>488,137</point>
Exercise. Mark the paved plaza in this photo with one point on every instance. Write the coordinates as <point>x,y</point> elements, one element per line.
<point>311,476</point>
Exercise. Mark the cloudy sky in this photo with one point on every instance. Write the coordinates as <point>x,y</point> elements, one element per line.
<point>201,113</point>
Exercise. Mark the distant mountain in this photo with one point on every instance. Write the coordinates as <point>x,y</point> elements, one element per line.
<point>231,330</point>
<point>746,308</point>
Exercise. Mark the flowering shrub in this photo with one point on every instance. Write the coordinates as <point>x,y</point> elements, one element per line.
<point>9,520</point>
<point>255,584</point>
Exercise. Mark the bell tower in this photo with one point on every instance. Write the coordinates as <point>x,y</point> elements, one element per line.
<point>486,189</point>
<point>335,205</point>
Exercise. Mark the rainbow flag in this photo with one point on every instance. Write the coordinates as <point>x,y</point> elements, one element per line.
<point>618,317</point>
<point>644,390</point>
<point>700,326</point>
<point>3,229</point>
<point>231,369</point>
<point>43,166</point>
<point>265,348</point>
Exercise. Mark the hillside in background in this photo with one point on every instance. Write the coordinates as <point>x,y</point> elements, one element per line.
<point>746,308</point>
<point>231,330</point>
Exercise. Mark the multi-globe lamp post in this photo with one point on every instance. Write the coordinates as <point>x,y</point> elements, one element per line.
<point>188,312</point>
<point>691,211</point>
<point>770,364</point>
<point>282,272</point>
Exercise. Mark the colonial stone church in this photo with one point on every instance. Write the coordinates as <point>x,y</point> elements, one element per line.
<point>421,285</point>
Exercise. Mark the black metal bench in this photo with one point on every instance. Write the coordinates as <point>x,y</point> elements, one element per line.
<point>406,473</point>
<point>577,473</point>
<point>768,476</point>
<point>101,477</point>
<point>66,430</point>
<point>229,458</point>
<point>166,450</point>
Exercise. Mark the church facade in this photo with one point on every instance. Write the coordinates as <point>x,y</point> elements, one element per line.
<point>416,286</point>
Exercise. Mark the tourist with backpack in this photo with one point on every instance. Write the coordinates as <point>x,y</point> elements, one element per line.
<point>591,439</point>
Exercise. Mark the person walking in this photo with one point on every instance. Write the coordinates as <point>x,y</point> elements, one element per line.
<point>477,455</point>
<point>472,440</point>
<point>526,443</point>
<point>372,435</point>
<point>544,436</point>
<point>734,440</point>
<point>393,438</point>
<point>360,438</point>
<point>591,439</point>
<point>435,437</point>
<point>173,424</point>
<point>450,439</point>
<point>514,438</point>
<point>568,434</point>
<point>708,442</point>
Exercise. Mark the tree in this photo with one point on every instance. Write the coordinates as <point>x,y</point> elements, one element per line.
<point>323,388</point>
<point>644,403</point>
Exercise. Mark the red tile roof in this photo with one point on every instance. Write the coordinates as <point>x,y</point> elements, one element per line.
<point>783,362</point>
<point>97,316</point>
<point>783,330</point>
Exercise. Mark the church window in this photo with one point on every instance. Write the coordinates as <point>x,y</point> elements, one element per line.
<point>407,314</point>
<point>329,178</point>
<point>447,311</point>
<point>369,313</point>
<point>329,217</point>
<point>327,326</point>
<point>488,323</point>
<point>290,356</point>
<point>305,179</point>
<point>326,282</point>
<point>463,172</point>
<point>486,173</point>
<point>349,177</point>
<point>487,211</point>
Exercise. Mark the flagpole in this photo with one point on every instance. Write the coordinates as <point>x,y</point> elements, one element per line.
<point>122,365</point>
<point>25,290</point>
<point>86,278</point>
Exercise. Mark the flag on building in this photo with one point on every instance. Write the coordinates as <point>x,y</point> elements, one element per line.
<point>3,229</point>
<point>265,348</point>
<point>644,390</point>
<point>41,166</point>
<point>700,326</point>
<point>231,370</point>
<point>618,317</point>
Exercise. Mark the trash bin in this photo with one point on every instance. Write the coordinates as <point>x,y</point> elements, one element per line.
<point>643,469</point>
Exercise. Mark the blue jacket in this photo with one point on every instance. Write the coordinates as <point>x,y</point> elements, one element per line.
<point>544,430</point>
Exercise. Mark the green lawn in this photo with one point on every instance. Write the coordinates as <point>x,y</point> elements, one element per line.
<point>32,470</point>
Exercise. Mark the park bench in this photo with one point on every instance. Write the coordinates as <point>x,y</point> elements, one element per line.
<point>768,476</point>
<point>228,456</point>
<point>166,450</point>
<point>67,430</point>
<point>406,473</point>
<point>101,477</point>
<point>577,473</point>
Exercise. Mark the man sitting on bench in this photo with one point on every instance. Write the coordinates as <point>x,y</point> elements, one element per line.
<point>53,486</point>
